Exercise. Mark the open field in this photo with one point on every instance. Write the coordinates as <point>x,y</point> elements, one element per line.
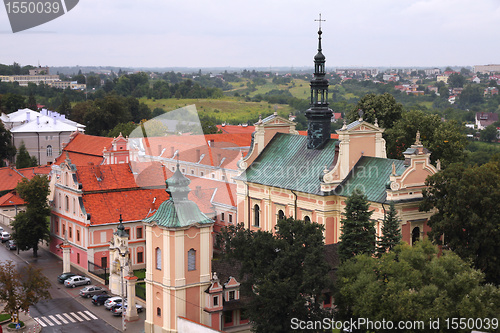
<point>228,109</point>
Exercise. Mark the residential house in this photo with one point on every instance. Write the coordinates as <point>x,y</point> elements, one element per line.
<point>484,119</point>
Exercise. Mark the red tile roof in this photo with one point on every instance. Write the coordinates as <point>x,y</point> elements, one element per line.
<point>32,172</point>
<point>84,148</point>
<point>9,177</point>
<point>105,177</point>
<point>134,205</point>
<point>11,199</point>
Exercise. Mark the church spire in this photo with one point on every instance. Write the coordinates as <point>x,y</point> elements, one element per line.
<point>319,114</point>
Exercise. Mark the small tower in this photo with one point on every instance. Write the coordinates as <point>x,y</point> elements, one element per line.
<point>178,259</point>
<point>319,115</point>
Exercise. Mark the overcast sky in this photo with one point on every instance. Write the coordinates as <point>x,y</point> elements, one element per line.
<point>260,33</point>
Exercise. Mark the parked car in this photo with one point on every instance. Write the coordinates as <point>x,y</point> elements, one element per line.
<point>90,291</point>
<point>110,302</point>
<point>4,236</point>
<point>76,280</point>
<point>100,299</point>
<point>61,278</point>
<point>1,229</point>
<point>11,245</point>
<point>118,309</point>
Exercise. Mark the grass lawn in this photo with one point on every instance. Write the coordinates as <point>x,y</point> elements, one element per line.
<point>140,273</point>
<point>4,317</point>
<point>228,109</point>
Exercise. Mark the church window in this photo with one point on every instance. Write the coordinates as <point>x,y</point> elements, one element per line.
<point>230,218</point>
<point>66,203</point>
<point>256,216</point>
<point>74,206</point>
<point>78,235</point>
<point>228,317</point>
<point>191,260</point>
<point>158,312</point>
<point>139,232</point>
<point>281,215</point>
<point>222,216</point>
<point>307,219</point>
<point>202,173</point>
<point>70,233</point>
<point>415,235</point>
<point>49,150</point>
<point>158,261</point>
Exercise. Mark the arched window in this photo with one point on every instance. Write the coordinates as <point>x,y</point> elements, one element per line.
<point>158,258</point>
<point>192,260</point>
<point>158,312</point>
<point>66,202</point>
<point>307,219</point>
<point>256,215</point>
<point>281,215</point>
<point>49,150</point>
<point>415,235</point>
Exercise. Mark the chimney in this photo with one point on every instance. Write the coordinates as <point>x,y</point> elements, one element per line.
<point>197,155</point>
<point>27,117</point>
<point>55,120</point>
<point>210,143</point>
<point>38,120</point>
<point>172,151</point>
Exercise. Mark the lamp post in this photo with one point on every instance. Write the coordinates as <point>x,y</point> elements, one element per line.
<point>123,252</point>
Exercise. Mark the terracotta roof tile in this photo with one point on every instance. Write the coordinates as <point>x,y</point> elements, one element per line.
<point>233,129</point>
<point>9,177</point>
<point>83,149</point>
<point>134,205</point>
<point>11,199</point>
<point>32,172</point>
<point>105,177</point>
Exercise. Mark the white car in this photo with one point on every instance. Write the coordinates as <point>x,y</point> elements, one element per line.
<point>76,280</point>
<point>4,236</point>
<point>111,302</point>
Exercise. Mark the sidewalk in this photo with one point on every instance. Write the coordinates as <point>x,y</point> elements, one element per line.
<point>52,267</point>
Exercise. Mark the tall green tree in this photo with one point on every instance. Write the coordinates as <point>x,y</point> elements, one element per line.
<point>358,230</point>
<point>23,159</point>
<point>445,140</point>
<point>285,272</point>
<point>31,102</point>
<point>21,288</point>
<point>489,134</point>
<point>383,107</point>
<point>467,218</point>
<point>391,232</point>
<point>65,106</point>
<point>413,283</point>
<point>32,226</point>
<point>456,80</point>
<point>7,149</point>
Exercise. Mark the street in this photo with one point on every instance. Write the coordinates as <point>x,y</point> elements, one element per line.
<point>67,311</point>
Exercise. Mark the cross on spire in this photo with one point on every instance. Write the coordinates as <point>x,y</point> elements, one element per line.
<point>320,20</point>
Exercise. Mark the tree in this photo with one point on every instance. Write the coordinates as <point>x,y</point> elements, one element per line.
<point>445,140</point>
<point>23,159</point>
<point>383,107</point>
<point>472,94</point>
<point>32,226</point>
<point>285,273</point>
<point>358,230</point>
<point>150,128</point>
<point>65,107</point>
<point>31,102</point>
<point>391,233</point>
<point>489,134</point>
<point>124,128</point>
<point>21,289</point>
<point>467,218</point>
<point>456,80</point>
<point>7,149</point>
<point>413,283</point>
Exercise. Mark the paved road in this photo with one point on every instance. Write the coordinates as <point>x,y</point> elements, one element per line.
<point>66,311</point>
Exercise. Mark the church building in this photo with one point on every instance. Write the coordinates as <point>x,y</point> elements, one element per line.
<point>309,178</point>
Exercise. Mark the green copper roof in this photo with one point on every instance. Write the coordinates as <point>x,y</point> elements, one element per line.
<point>287,163</point>
<point>370,175</point>
<point>178,214</point>
<point>178,210</point>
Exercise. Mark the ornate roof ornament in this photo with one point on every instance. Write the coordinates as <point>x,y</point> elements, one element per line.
<point>360,113</point>
<point>417,139</point>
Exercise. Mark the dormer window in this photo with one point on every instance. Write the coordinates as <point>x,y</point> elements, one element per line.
<point>216,300</point>
<point>231,295</point>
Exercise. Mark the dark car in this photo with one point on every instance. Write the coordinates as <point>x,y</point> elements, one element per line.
<point>61,278</point>
<point>11,245</point>
<point>99,299</point>
<point>90,291</point>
